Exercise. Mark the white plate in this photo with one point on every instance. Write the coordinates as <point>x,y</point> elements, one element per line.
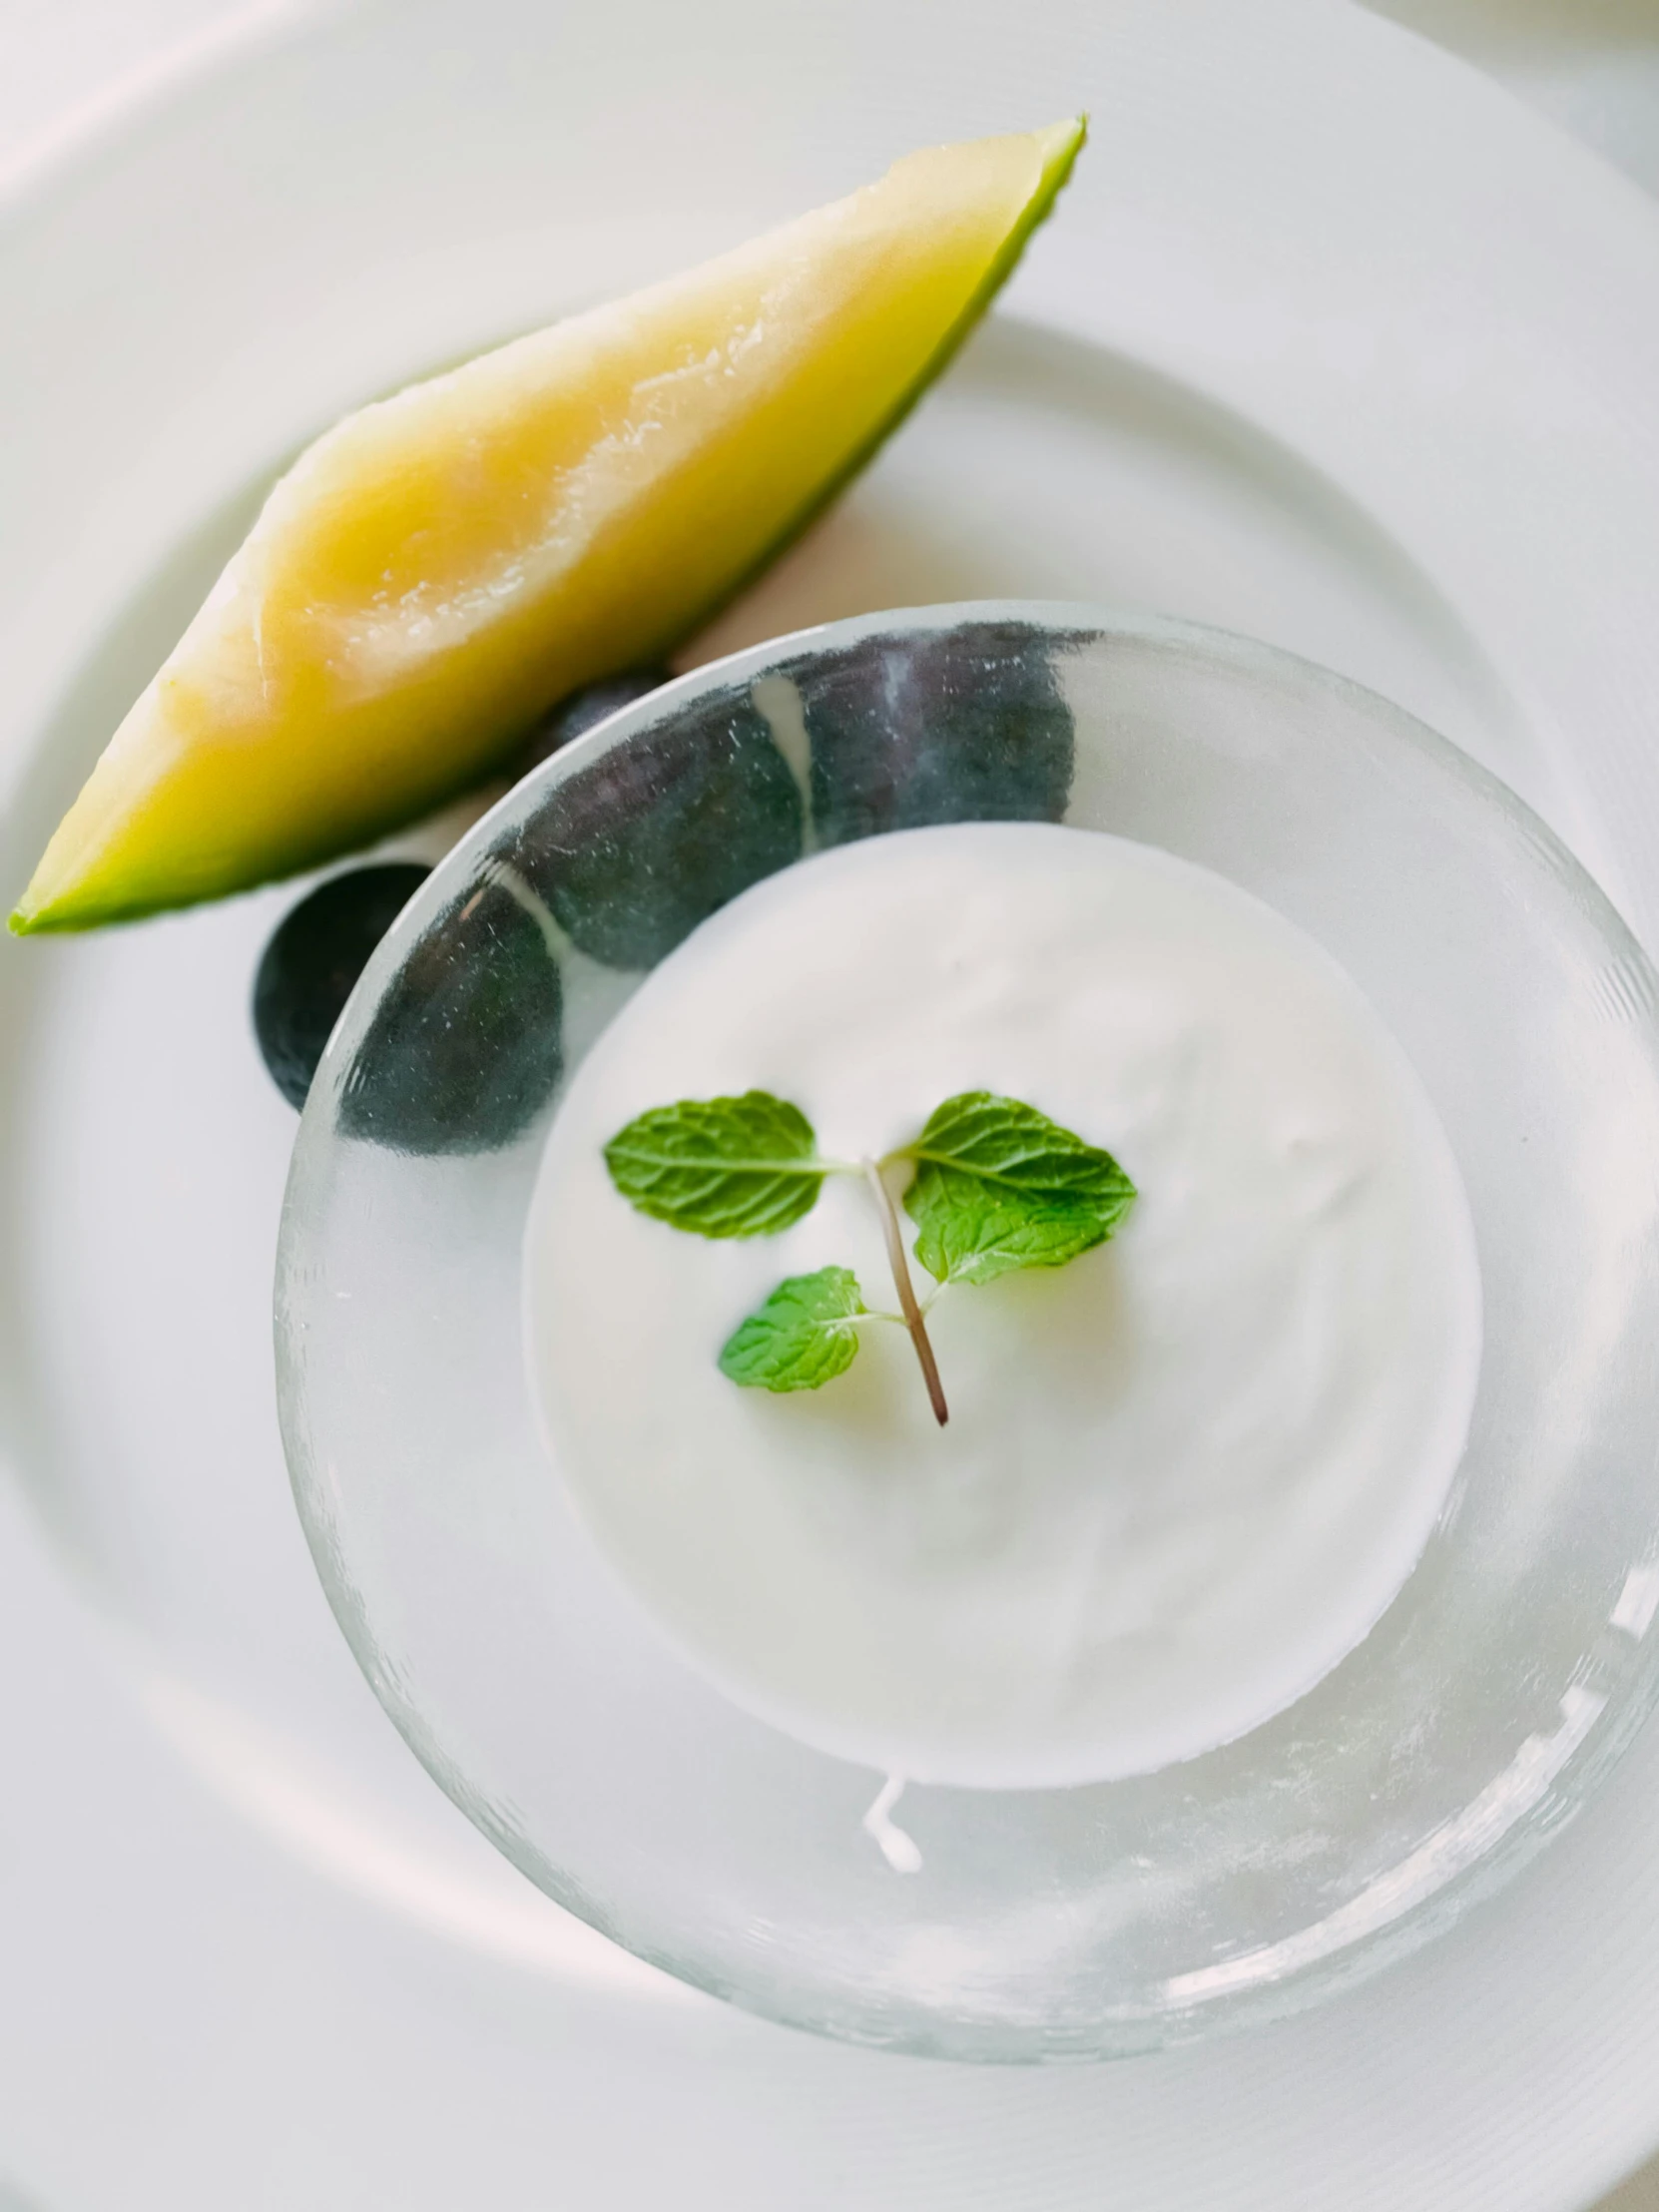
<point>1329,343</point>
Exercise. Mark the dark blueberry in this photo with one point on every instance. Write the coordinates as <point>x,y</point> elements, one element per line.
<point>960,726</point>
<point>314,956</point>
<point>583,709</point>
<point>463,1050</point>
<point>635,850</point>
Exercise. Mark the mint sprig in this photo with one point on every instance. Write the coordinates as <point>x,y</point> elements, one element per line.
<point>996,1186</point>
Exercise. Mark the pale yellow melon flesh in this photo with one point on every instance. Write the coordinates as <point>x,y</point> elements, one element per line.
<point>439,568</point>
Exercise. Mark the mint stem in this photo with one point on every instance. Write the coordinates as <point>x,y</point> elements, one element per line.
<point>906,1293</point>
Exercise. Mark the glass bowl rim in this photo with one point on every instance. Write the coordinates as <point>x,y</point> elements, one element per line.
<point>1589,1762</point>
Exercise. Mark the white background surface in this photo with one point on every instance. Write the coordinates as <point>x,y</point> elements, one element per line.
<point>1593,65</point>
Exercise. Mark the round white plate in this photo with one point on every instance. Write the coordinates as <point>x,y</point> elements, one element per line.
<point>1329,343</point>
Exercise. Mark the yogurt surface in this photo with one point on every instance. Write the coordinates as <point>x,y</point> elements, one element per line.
<point>1183,1476</point>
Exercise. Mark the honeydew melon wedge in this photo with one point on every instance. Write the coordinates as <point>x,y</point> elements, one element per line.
<point>439,568</point>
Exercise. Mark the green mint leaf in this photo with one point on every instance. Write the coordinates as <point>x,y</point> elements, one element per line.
<point>802,1337</point>
<point>1014,1146</point>
<point>722,1167</point>
<point>999,1185</point>
<point>969,1231</point>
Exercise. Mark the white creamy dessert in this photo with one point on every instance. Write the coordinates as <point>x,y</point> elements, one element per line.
<point>1183,1476</point>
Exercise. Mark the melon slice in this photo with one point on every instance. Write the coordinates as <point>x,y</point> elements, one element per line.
<point>438,569</point>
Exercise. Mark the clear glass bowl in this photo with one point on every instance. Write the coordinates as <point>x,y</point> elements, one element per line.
<point>1486,1703</point>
